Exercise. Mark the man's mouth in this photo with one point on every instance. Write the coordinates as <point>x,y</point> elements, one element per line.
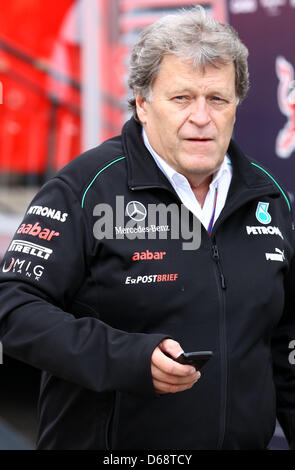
<point>199,139</point>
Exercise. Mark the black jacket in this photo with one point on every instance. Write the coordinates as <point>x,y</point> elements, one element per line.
<point>89,310</point>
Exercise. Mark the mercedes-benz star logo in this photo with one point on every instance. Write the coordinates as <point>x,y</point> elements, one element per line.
<point>136,210</point>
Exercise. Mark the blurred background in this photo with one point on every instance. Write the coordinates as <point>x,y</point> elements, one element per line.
<point>63,73</point>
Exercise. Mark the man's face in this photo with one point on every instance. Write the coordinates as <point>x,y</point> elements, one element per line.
<point>190,117</point>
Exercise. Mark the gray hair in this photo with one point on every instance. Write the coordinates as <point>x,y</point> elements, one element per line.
<point>190,35</point>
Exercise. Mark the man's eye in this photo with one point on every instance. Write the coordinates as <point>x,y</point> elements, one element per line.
<point>181,98</point>
<point>217,99</point>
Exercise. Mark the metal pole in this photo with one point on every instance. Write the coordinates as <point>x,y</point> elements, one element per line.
<point>90,77</point>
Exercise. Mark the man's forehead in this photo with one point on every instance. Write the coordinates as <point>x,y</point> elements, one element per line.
<point>183,73</point>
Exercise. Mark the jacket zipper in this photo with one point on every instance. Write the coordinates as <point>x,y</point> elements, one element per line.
<point>223,344</point>
<point>111,425</point>
<point>215,255</point>
<point>108,425</point>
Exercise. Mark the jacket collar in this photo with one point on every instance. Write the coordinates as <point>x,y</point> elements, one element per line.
<point>143,172</point>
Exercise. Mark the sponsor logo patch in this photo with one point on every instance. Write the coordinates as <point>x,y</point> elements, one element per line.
<point>152,278</point>
<point>148,255</point>
<point>136,211</point>
<point>270,230</point>
<point>278,256</point>
<point>141,230</point>
<point>24,267</point>
<point>29,248</point>
<point>48,212</point>
<point>262,214</point>
<point>37,231</point>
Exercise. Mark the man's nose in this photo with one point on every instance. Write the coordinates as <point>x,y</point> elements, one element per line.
<point>199,112</point>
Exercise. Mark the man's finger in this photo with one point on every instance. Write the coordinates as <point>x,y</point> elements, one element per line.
<point>163,387</point>
<point>171,347</point>
<point>158,374</point>
<point>169,366</point>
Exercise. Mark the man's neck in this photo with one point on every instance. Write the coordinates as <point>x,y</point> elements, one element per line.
<point>201,190</point>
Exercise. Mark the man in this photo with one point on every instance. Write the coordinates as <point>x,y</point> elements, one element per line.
<point>98,294</point>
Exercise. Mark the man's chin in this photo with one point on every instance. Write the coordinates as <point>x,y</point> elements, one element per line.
<point>201,171</point>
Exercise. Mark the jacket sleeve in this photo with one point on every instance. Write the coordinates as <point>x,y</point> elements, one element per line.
<point>283,353</point>
<point>43,268</point>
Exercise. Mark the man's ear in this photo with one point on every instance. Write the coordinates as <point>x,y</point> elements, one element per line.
<point>141,104</point>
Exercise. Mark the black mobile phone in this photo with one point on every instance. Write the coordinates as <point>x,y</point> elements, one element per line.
<point>197,359</point>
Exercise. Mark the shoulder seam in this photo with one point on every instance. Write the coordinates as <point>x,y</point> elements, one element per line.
<point>95,177</point>
<point>276,183</point>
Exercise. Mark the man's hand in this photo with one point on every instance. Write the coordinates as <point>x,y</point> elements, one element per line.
<point>168,375</point>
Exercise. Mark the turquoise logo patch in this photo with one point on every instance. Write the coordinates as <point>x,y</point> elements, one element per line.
<point>262,215</point>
